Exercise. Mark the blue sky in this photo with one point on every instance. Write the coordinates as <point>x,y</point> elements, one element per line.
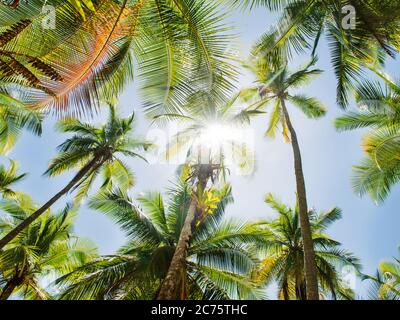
<point>368,230</point>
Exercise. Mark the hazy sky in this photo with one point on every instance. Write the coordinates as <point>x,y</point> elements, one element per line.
<point>369,231</point>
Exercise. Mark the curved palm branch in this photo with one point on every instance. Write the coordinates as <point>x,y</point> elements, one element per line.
<point>15,116</point>
<point>8,177</point>
<point>379,110</point>
<point>386,284</point>
<point>181,37</point>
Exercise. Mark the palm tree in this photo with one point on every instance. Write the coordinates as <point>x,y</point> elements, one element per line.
<point>220,255</point>
<point>379,110</point>
<point>89,56</point>
<point>386,284</point>
<point>303,24</point>
<point>91,149</point>
<point>8,177</point>
<point>47,248</point>
<point>15,116</point>
<point>208,125</point>
<point>274,86</point>
<point>284,261</point>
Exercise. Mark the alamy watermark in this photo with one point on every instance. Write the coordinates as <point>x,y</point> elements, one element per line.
<point>48,12</point>
<point>349,277</point>
<point>49,19</point>
<point>349,19</point>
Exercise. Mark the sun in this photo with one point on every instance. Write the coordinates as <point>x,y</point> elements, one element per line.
<point>216,135</point>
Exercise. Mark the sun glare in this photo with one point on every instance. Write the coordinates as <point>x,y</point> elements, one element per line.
<point>216,135</point>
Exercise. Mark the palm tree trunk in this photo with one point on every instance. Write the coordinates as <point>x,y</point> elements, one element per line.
<point>174,283</point>
<point>300,290</point>
<point>91,165</point>
<point>285,291</point>
<point>310,268</point>
<point>8,289</point>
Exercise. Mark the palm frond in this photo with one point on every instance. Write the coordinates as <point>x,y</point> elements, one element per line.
<point>311,107</point>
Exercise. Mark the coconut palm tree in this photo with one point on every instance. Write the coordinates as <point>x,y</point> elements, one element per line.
<point>47,248</point>
<point>89,55</point>
<point>284,261</point>
<point>220,255</point>
<point>92,150</point>
<point>303,23</point>
<point>275,87</point>
<point>386,284</point>
<point>379,109</point>
<point>8,177</point>
<point>210,130</point>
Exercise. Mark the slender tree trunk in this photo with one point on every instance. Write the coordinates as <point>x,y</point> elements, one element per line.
<point>8,289</point>
<point>173,283</point>
<point>310,268</point>
<point>93,164</point>
<point>300,290</point>
<point>285,291</point>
